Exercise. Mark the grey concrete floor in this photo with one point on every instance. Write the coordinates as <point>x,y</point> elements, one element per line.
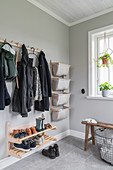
<point>72,157</point>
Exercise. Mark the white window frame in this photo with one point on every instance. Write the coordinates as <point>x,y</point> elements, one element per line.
<point>92,69</point>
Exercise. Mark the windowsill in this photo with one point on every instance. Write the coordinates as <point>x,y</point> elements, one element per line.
<point>110,98</point>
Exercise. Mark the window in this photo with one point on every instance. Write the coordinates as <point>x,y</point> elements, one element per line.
<point>101,75</point>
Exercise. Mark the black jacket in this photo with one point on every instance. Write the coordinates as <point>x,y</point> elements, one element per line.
<point>4,95</point>
<point>23,97</point>
<point>45,80</point>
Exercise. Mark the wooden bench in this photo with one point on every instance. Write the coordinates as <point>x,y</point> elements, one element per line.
<point>98,124</point>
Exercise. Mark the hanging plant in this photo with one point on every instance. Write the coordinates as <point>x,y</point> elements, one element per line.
<point>105,58</point>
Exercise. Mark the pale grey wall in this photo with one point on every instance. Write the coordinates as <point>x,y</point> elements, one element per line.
<point>81,107</point>
<point>22,22</point>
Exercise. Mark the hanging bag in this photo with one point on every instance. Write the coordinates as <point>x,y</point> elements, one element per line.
<point>60,99</point>
<point>60,114</point>
<point>60,69</point>
<point>60,84</point>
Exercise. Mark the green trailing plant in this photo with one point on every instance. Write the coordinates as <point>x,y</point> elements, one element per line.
<point>105,58</point>
<point>105,86</point>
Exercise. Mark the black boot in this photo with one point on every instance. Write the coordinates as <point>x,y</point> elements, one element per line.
<point>56,150</point>
<point>49,152</point>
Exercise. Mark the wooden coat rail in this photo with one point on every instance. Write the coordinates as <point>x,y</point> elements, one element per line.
<point>19,46</point>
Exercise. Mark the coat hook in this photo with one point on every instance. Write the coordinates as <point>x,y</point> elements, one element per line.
<point>12,41</point>
<point>17,44</point>
<point>33,49</point>
<point>5,40</point>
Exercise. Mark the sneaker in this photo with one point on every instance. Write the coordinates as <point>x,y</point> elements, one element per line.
<point>24,146</point>
<point>40,135</point>
<point>32,143</point>
<point>50,152</point>
<point>38,140</point>
<point>19,135</point>
<point>56,150</point>
<point>42,139</point>
<point>25,134</point>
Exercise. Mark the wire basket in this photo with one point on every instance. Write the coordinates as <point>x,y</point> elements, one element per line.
<point>104,140</point>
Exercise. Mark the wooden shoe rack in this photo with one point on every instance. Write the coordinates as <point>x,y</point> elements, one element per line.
<point>12,151</point>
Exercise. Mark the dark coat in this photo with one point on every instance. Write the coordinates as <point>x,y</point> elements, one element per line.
<point>23,96</point>
<point>4,95</point>
<point>45,79</point>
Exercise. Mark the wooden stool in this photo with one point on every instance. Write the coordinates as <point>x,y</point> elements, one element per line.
<point>99,124</point>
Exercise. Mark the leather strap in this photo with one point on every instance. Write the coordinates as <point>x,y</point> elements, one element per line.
<point>16,66</point>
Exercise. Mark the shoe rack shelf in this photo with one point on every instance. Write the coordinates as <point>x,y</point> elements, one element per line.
<point>19,141</point>
<point>18,153</point>
<point>12,151</point>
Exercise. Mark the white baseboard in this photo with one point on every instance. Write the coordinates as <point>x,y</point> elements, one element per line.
<point>11,160</point>
<point>77,134</point>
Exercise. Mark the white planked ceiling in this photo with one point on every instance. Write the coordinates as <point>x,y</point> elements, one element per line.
<point>71,12</point>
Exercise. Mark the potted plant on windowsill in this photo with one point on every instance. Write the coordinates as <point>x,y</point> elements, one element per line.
<point>105,87</point>
<point>105,58</point>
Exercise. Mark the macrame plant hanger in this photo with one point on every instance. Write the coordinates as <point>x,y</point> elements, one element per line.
<point>105,43</point>
<point>105,49</point>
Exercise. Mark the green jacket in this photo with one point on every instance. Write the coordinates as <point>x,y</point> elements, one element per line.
<point>8,57</point>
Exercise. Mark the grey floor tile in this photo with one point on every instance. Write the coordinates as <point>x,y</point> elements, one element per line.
<point>72,157</point>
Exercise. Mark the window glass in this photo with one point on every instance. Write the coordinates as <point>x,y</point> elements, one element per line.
<point>96,49</point>
<point>104,74</point>
<point>111,42</point>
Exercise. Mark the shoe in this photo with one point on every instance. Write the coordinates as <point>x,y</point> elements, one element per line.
<point>49,152</point>
<point>19,135</point>
<point>28,131</point>
<point>56,150</point>
<point>47,126</point>
<point>32,143</point>
<point>15,131</point>
<point>24,146</point>
<point>38,140</point>
<point>25,134</point>
<point>42,139</point>
<point>43,127</point>
<point>39,124</point>
<point>20,130</point>
<point>33,130</point>
<point>40,135</point>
